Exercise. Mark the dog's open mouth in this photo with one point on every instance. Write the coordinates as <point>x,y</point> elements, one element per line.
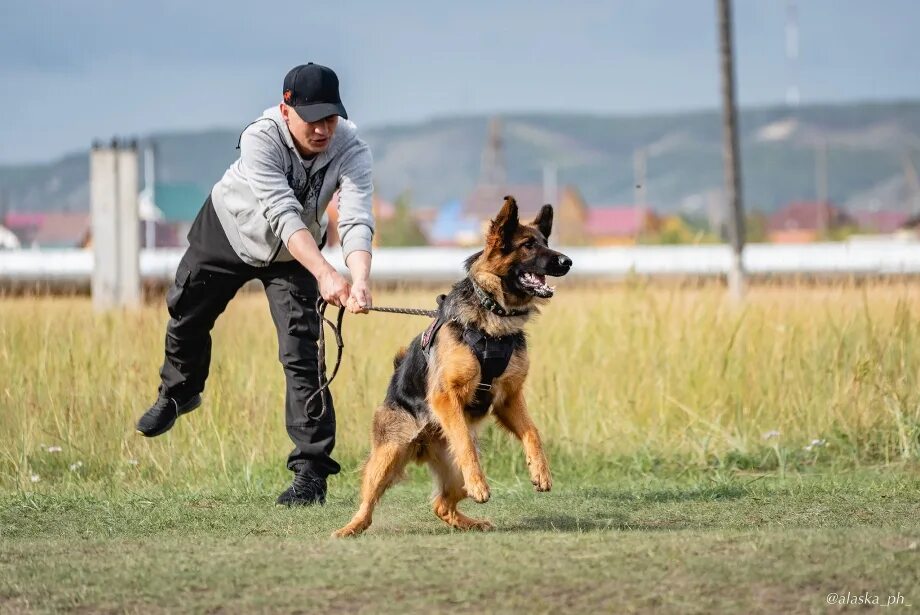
<point>535,284</point>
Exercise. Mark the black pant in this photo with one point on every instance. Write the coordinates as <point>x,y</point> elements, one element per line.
<point>209,275</point>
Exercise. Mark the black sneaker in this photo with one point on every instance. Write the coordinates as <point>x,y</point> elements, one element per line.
<point>307,489</point>
<point>163,414</point>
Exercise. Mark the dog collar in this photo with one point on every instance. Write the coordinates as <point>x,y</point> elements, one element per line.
<point>492,305</point>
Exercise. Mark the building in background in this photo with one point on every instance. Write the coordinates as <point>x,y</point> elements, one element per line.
<point>63,230</point>
<point>24,225</point>
<point>453,227</point>
<point>166,209</point>
<point>178,204</point>
<point>611,225</point>
<point>806,221</point>
<point>883,222</point>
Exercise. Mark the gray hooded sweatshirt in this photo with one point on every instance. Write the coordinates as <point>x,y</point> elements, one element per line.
<point>271,192</point>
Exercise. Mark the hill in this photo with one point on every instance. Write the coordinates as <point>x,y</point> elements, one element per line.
<point>868,146</point>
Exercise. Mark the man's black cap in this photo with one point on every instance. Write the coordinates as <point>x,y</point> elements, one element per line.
<point>313,91</point>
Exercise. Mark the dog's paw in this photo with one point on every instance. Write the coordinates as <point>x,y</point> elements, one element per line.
<point>351,530</point>
<point>542,481</point>
<point>478,489</point>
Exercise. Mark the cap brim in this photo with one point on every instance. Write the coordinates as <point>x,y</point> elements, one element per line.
<point>318,111</point>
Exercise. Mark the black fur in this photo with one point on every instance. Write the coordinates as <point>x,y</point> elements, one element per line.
<point>408,386</point>
<point>507,225</point>
<point>544,221</point>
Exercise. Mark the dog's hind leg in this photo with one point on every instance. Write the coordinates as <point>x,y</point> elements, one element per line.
<point>513,416</point>
<point>394,432</point>
<point>450,490</point>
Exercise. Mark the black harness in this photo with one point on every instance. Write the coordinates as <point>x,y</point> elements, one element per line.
<point>492,353</point>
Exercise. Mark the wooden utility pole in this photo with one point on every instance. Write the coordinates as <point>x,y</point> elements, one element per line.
<point>821,190</point>
<point>640,162</point>
<point>730,152</point>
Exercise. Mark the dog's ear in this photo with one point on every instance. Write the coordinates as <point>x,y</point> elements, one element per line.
<point>544,220</point>
<point>505,224</point>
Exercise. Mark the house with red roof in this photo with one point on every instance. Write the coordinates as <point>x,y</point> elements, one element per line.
<point>64,230</point>
<point>610,225</point>
<point>885,221</point>
<point>23,224</point>
<point>805,221</point>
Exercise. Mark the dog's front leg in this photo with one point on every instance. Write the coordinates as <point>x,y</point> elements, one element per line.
<point>513,416</point>
<point>456,431</point>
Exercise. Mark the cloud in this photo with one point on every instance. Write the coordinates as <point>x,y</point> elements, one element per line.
<point>132,66</point>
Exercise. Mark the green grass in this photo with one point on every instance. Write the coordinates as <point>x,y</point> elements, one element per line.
<point>632,374</point>
<point>714,541</point>
<point>680,431</point>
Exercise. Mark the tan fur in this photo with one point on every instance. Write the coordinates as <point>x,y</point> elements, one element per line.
<point>394,444</point>
<point>450,488</point>
<point>513,416</point>
<point>447,441</point>
<point>450,390</point>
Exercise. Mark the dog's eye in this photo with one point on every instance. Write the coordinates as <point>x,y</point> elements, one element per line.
<point>530,243</point>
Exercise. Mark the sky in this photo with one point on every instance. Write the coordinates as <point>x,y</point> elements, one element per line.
<point>72,71</point>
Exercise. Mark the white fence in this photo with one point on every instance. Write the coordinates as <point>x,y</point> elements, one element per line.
<point>860,258</point>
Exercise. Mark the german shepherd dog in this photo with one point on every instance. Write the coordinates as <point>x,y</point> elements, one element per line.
<point>472,358</point>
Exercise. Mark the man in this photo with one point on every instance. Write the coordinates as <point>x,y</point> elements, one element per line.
<point>266,219</point>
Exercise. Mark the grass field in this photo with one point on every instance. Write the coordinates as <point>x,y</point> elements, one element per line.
<point>706,456</point>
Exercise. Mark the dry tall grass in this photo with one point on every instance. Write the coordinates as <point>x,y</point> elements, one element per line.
<point>629,372</point>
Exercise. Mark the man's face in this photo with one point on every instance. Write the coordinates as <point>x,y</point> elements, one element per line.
<point>310,137</point>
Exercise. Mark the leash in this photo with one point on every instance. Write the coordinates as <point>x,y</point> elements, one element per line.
<point>336,327</point>
<point>410,311</point>
<point>485,299</point>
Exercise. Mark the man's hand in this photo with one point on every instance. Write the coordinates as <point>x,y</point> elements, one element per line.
<point>359,263</point>
<point>360,298</point>
<point>333,288</point>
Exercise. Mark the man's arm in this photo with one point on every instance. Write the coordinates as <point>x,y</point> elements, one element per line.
<point>356,224</point>
<point>359,264</point>
<point>333,288</point>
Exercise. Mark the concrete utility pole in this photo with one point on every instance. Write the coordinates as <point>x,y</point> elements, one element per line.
<point>116,278</point>
<point>730,152</point>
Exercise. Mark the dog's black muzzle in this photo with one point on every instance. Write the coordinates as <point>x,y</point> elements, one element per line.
<point>554,263</point>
